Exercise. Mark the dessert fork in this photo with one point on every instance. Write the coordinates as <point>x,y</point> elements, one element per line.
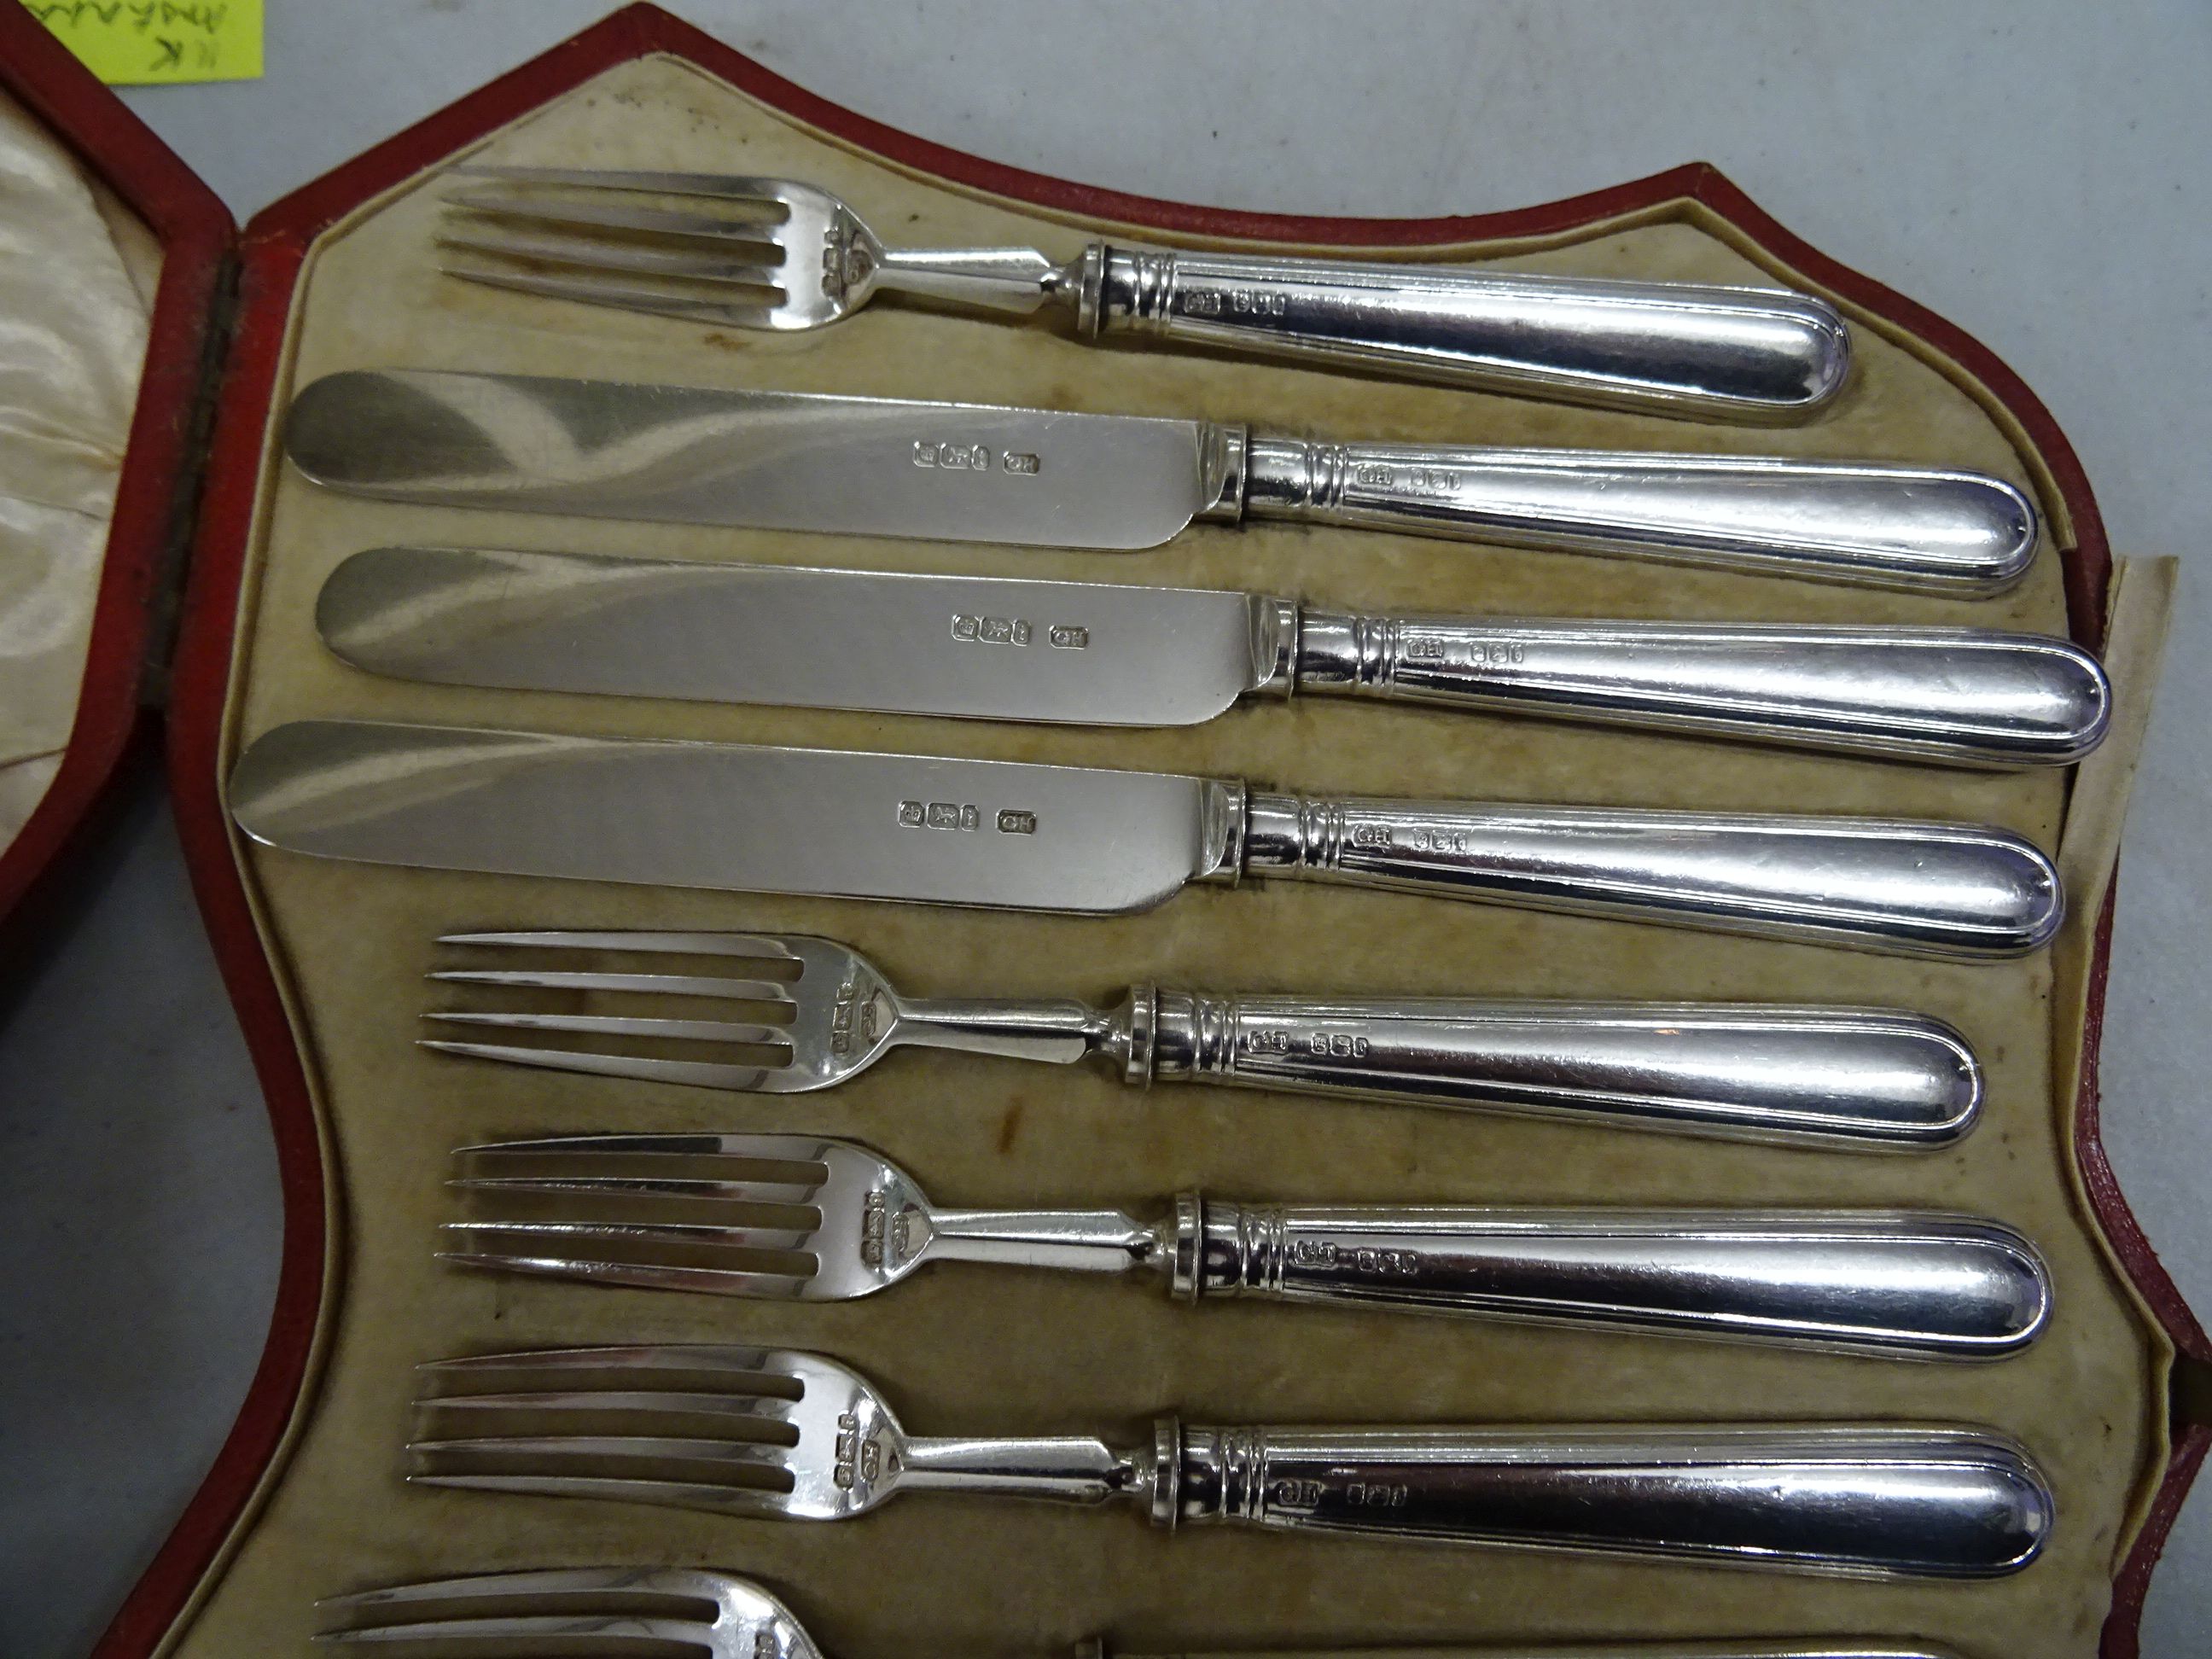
<point>647,1610</point>
<point>815,1012</point>
<point>813,1219</point>
<point>778,1434</point>
<point>777,254</point>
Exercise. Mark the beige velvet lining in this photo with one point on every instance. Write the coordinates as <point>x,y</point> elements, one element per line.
<point>77,275</point>
<point>969,1351</point>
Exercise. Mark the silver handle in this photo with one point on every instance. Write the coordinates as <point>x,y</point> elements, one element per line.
<point>1878,884</point>
<point>1681,349</point>
<point>1958,695</point>
<point>1879,1502</point>
<point>1867,1078</point>
<point>1921,528</point>
<point>1925,1286</point>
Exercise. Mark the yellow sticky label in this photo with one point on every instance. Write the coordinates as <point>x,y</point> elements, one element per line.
<point>152,42</point>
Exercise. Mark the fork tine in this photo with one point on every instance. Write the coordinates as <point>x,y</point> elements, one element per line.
<point>622,297</point>
<point>705,1281</point>
<point>769,1408</point>
<point>699,1075</point>
<point>806,1149</point>
<point>699,1357</point>
<point>547,1584</point>
<point>746,265</point>
<point>675,985</point>
<point>790,1240</point>
<point>721,186</point>
<point>685,1031</point>
<point>497,203</point>
<point>759,1502</point>
<point>738,1453</point>
<point>548,1632</point>
<point>781,1195</point>
<point>776,945</point>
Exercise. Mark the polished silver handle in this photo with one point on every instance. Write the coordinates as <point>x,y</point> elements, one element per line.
<point>1868,1078</point>
<point>1919,888</point>
<point>1683,349</point>
<point>1883,1502</point>
<point>1959,695</point>
<point>1922,528</point>
<point>1926,1286</point>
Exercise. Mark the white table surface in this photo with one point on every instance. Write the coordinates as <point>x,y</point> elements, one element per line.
<point>2035,171</point>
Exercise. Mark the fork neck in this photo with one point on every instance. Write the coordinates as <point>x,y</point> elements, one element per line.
<point>1060,1031</point>
<point>1016,279</point>
<point>1077,1241</point>
<point>1071,1468</point>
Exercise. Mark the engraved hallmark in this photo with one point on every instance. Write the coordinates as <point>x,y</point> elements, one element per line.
<point>854,1010</point>
<point>951,458</point>
<point>1376,1495</point>
<point>871,1231</point>
<point>1335,1045</point>
<point>1298,1494</point>
<point>1069,638</point>
<point>962,815</point>
<point>991,630</point>
<point>1464,653</point>
<point>1375,1261</point>
<point>940,815</point>
<point>857,1456</point>
<point>1236,302</point>
<point>975,457</point>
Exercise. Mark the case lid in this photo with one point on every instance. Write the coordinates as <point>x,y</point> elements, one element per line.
<point>133,614</point>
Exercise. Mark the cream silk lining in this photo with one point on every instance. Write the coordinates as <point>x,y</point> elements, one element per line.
<point>76,280</point>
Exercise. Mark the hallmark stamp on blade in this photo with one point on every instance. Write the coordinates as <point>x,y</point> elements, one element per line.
<point>991,630</point>
<point>963,816</point>
<point>972,629</point>
<point>974,457</point>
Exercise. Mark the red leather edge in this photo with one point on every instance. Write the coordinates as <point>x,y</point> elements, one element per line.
<point>274,246</point>
<point>195,232</point>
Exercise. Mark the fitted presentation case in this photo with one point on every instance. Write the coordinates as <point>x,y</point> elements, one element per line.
<point>206,618</point>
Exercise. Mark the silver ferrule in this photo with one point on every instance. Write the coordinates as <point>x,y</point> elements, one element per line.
<point>1337,650</point>
<point>1171,1036</point>
<point>1124,290</point>
<point>1289,478</point>
<point>1223,473</point>
<point>1228,1249</point>
<point>1290,832</point>
<point>1224,832</point>
<point>1277,646</point>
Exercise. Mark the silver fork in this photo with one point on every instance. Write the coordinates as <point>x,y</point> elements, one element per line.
<point>818,1011</point>
<point>647,1610</point>
<point>778,1434</point>
<point>774,253</point>
<point>813,1219</point>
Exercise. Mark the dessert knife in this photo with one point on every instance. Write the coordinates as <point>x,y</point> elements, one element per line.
<point>1012,836</point>
<point>872,466</point>
<point>1109,654</point>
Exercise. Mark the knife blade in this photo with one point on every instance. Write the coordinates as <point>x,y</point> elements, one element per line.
<point>782,460</point>
<point>1011,835</point>
<point>1111,654</point>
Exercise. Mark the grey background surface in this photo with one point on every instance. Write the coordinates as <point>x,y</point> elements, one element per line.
<point>2037,172</point>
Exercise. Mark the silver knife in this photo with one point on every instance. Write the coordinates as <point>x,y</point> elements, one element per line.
<point>784,461</point>
<point>1104,655</point>
<point>1014,835</point>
